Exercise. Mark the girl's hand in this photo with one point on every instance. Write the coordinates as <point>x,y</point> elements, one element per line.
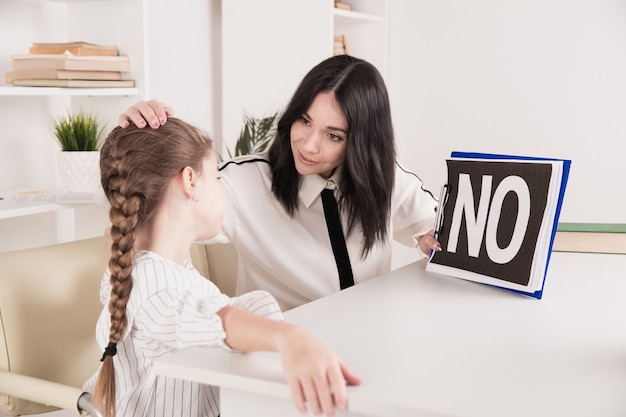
<point>151,112</point>
<point>315,374</point>
<point>316,377</point>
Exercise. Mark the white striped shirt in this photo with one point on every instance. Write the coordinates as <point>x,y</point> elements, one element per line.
<point>171,307</point>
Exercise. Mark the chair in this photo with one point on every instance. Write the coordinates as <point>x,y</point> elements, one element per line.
<point>217,262</point>
<point>49,305</point>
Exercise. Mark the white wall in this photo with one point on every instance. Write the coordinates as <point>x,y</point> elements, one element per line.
<point>530,77</point>
<point>268,48</point>
<point>183,39</point>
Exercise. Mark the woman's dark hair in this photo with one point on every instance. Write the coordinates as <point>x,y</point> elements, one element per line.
<point>368,173</point>
<point>136,169</point>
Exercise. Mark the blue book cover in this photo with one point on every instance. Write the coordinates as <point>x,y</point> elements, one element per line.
<point>497,219</point>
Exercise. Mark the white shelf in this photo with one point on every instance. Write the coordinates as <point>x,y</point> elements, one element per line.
<point>58,91</point>
<point>350,16</point>
<point>52,216</point>
<point>10,209</point>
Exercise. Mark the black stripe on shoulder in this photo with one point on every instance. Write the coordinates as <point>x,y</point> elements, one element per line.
<point>243,162</point>
<point>416,176</point>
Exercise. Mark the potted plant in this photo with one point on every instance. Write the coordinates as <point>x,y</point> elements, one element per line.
<point>256,134</point>
<point>79,136</point>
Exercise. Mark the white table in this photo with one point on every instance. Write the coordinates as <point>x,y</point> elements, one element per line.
<point>430,345</point>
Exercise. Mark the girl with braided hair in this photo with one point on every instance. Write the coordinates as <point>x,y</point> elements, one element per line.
<point>164,194</point>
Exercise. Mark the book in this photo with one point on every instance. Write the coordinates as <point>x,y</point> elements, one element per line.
<point>68,61</point>
<point>340,45</point>
<point>76,83</point>
<point>346,44</point>
<point>59,74</point>
<point>590,237</point>
<point>497,219</point>
<point>342,5</point>
<point>75,48</point>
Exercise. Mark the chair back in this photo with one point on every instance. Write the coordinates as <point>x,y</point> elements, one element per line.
<point>49,305</point>
<point>217,262</point>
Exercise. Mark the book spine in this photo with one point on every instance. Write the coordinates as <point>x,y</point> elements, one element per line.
<point>71,63</point>
<point>78,51</point>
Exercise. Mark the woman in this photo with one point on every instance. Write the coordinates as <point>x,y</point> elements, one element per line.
<point>164,194</point>
<point>336,133</point>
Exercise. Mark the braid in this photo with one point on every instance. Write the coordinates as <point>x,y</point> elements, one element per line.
<point>124,218</point>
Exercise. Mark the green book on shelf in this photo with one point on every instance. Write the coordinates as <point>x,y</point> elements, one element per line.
<point>590,237</point>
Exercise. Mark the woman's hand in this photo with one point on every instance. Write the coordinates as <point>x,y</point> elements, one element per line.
<point>315,374</point>
<point>427,242</point>
<point>152,112</point>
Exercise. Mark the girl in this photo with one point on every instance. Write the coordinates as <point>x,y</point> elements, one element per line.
<point>164,194</point>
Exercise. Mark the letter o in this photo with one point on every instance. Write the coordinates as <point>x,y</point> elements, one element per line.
<point>518,186</point>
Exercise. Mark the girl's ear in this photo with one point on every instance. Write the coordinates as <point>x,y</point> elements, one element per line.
<point>188,181</point>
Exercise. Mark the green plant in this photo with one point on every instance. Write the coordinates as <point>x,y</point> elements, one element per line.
<point>256,135</point>
<point>77,131</point>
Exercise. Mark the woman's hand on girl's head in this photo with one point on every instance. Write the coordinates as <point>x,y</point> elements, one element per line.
<point>315,374</point>
<point>151,112</point>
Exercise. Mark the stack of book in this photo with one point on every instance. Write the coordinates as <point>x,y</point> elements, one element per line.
<point>71,64</point>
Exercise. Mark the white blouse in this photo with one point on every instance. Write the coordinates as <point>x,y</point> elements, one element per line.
<point>292,257</point>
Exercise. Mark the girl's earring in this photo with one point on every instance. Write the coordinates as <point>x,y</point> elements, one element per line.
<point>194,199</point>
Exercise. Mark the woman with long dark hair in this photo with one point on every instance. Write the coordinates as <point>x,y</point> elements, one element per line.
<point>335,134</point>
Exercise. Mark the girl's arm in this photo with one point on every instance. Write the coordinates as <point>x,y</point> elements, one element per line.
<point>314,372</point>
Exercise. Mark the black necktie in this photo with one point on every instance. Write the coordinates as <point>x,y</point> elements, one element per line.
<point>336,239</point>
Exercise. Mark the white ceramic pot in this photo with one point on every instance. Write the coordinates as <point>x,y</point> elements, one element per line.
<point>80,171</point>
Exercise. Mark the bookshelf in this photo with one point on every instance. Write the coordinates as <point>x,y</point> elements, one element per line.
<point>27,148</point>
<point>159,64</point>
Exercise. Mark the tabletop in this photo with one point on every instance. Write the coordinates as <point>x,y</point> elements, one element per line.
<point>426,344</point>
